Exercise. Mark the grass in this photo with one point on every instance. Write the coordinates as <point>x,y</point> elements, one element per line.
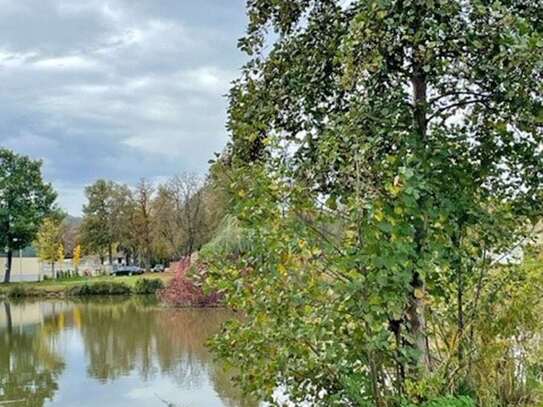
<point>52,287</point>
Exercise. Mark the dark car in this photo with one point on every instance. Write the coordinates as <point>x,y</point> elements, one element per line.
<point>127,271</point>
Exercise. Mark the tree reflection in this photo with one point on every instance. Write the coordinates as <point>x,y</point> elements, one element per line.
<point>120,338</point>
<point>128,336</point>
<point>29,368</point>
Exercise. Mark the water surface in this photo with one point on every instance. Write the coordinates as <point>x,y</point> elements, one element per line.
<point>104,352</point>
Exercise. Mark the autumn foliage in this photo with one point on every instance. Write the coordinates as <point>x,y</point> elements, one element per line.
<point>184,291</point>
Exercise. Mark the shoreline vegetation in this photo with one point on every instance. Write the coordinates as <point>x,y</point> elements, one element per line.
<point>179,289</point>
<point>185,288</point>
<point>85,286</point>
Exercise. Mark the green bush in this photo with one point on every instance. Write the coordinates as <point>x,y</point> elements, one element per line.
<point>19,292</point>
<point>67,275</point>
<point>451,401</point>
<point>148,286</point>
<point>101,288</point>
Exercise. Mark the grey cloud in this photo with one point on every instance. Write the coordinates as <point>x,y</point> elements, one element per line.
<point>118,89</point>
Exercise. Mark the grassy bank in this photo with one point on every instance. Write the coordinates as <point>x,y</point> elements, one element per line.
<point>102,285</point>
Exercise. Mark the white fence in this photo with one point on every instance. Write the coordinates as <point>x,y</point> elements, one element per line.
<point>32,269</point>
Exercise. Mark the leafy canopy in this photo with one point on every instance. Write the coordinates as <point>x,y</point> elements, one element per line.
<point>25,200</point>
<point>382,154</point>
<point>49,240</point>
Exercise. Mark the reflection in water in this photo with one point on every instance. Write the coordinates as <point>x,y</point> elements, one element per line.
<point>29,366</point>
<point>118,352</point>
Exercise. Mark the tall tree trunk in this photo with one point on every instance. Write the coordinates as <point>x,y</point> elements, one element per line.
<point>7,275</point>
<point>148,261</point>
<point>417,322</point>
<point>460,299</point>
<point>415,311</point>
<point>458,269</point>
<point>53,270</point>
<point>110,254</point>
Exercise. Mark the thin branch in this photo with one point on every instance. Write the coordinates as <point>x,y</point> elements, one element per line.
<point>462,103</point>
<point>322,235</point>
<point>518,244</point>
<point>457,93</point>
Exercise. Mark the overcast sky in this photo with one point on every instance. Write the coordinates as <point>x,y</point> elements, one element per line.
<point>116,89</point>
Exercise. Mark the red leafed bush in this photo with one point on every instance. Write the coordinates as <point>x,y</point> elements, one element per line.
<point>182,291</point>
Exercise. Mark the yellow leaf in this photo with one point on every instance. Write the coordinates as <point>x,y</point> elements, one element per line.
<point>419,293</point>
<point>282,269</point>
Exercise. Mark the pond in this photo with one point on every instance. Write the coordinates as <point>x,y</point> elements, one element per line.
<point>105,352</point>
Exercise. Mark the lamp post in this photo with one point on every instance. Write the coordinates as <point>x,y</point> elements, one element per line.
<point>6,265</point>
<point>20,264</point>
<point>9,249</point>
<point>15,240</point>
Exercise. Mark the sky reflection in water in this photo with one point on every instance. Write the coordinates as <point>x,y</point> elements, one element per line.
<point>118,353</point>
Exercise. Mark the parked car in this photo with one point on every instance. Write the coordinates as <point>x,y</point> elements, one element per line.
<point>158,268</point>
<point>127,271</point>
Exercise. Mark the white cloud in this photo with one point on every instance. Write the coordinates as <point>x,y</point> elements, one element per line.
<point>89,88</point>
<point>150,37</point>
<point>15,59</point>
<point>74,62</point>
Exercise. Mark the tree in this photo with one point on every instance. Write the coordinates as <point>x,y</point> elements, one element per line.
<point>77,258</point>
<point>25,200</point>
<point>106,217</point>
<point>70,232</point>
<point>185,214</point>
<point>123,208</point>
<point>96,229</point>
<point>49,242</point>
<point>60,253</point>
<point>215,199</point>
<point>381,152</point>
<point>187,193</point>
<point>166,226</point>
<point>142,221</point>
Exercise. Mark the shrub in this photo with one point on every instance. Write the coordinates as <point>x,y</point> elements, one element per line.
<point>19,292</point>
<point>183,291</point>
<point>66,275</point>
<point>101,288</point>
<point>148,286</point>
<point>451,401</point>
<point>118,288</point>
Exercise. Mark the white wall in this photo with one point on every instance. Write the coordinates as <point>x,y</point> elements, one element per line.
<point>22,269</point>
<point>33,269</point>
